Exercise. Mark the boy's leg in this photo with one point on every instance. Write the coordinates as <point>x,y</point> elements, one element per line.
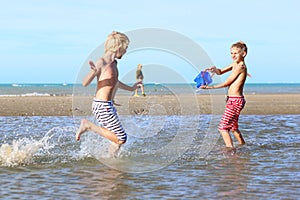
<point>136,92</point>
<point>227,139</point>
<point>143,90</point>
<point>86,125</point>
<point>239,136</point>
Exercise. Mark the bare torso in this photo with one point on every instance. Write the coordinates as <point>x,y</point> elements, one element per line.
<point>237,86</point>
<point>107,82</point>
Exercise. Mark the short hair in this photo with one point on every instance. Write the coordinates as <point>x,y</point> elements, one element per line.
<point>116,41</point>
<point>241,45</point>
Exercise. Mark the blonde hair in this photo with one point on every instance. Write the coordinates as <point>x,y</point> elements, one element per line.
<point>116,41</point>
<point>241,45</point>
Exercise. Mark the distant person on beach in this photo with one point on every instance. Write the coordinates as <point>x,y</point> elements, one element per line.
<point>106,72</point>
<point>235,99</point>
<point>139,78</point>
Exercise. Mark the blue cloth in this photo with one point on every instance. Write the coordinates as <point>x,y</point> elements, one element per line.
<point>203,78</point>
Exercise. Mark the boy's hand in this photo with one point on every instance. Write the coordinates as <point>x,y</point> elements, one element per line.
<point>203,87</point>
<point>93,66</point>
<point>211,69</point>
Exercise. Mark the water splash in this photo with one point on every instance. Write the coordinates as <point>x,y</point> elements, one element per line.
<point>95,146</point>
<point>23,151</point>
<point>20,152</point>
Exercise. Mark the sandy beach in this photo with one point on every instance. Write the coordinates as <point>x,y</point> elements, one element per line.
<point>257,104</point>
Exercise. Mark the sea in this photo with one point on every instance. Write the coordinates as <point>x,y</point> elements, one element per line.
<point>65,89</point>
<point>165,157</point>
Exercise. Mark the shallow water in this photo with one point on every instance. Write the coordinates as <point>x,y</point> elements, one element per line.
<point>166,157</point>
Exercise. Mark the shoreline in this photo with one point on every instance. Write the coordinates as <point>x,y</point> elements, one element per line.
<point>185,104</point>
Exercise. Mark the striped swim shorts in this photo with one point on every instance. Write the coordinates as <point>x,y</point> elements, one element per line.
<point>232,112</point>
<point>106,115</point>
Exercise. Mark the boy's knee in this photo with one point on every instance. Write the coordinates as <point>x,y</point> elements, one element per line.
<point>121,142</point>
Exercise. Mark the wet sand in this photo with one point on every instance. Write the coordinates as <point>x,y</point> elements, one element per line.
<point>257,104</point>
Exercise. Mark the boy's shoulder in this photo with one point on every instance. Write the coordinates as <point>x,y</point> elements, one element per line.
<point>102,63</point>
<point>241,65</point>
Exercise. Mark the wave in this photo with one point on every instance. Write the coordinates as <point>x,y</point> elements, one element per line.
<point>16,85</point>
<point>37,94</point>
<point>34,94</point>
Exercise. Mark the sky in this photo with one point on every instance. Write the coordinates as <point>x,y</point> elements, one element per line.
<point>51,41</point>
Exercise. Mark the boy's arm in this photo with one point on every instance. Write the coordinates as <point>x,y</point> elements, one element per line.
<point>95,71</point>
<point>214,69</point>
<point>228,81</point>
<point>127,87</point>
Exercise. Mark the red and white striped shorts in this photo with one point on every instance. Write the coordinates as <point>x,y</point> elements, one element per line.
<point>231,115</point>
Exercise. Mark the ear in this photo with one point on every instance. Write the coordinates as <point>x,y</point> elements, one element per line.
<point>113,55</point>
<point>244,54</point>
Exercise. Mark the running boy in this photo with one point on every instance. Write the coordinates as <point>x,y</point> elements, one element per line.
<point>106,72</point>
<point>235,99</point>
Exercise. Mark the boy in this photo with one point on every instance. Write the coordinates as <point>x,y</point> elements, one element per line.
<point>235,99</point>
<point>139,78</point>
<point>106,72</point>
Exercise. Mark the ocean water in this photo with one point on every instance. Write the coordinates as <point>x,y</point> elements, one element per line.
<point>155,89</point>
<point>166,157</point>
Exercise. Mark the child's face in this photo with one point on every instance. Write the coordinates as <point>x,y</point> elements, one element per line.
<point>120,53</point>
<point>237,54</point>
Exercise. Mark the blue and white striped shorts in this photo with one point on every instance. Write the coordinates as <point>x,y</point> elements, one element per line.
<point>106,115</point>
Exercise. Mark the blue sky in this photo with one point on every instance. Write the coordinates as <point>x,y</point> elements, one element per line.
<point>49,41</point>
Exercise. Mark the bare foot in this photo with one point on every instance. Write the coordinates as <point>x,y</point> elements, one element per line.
<point>114,149</point>
<point>229,150</point>
<point>242,143</point>
<point>83,128</point>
